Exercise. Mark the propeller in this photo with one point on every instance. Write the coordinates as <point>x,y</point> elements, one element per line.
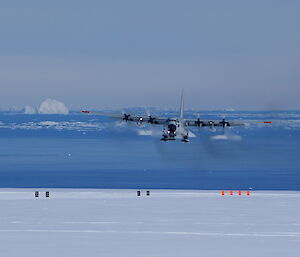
<point>198,122</point>
<point>126,117</point>
<point>224,123</point>
<point>227,135</point>
<point>151,120</point>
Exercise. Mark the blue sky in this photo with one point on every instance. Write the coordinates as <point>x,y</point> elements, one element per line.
<point>99,54</point>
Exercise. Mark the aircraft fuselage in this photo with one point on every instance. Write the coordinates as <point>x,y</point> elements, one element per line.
<point>173,129</point>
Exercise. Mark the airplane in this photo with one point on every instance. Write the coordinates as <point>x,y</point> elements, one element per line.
<point>173,127</point>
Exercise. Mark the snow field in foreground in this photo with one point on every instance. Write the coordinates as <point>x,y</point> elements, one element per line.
<point>167,223</point>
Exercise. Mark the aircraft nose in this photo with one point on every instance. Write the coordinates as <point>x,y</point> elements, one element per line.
<point>172,128</point>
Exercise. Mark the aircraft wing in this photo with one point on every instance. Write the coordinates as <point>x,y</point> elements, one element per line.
<point>129,117</point>
<point>222,123</point>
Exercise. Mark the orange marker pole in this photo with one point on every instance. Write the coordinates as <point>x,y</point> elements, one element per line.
<point>248,193</point>
<point>240,192</point>
<point>222,192</point>
<point>231,192</point>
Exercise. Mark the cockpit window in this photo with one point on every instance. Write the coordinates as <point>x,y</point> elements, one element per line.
<point>172,128</point>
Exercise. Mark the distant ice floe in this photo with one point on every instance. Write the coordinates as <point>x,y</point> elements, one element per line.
<point>29,110</point>
<point>282,124</point>
<point>62,125</point>
<point>75,121</point>
<point>52,106</point>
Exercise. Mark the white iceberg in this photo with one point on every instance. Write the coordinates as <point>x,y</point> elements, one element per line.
<point>52,106</point>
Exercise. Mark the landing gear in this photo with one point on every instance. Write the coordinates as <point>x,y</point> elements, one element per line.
<point>164,138</point>
<point>167,138</point>
<point>185,139</point>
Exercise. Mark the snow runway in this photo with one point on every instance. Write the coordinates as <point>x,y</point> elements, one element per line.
<point>167,223</point>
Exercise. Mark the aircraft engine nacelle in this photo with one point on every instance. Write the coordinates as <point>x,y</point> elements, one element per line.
<point>211,125</point>
<point>140,121</point>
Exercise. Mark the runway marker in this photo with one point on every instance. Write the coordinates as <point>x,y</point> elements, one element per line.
<point>36,193</point>
<point>239,192</point>
<point>138,193</point>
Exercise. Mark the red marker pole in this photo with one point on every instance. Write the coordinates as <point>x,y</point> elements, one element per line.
<point>222,192</point>
<point>231,192</point>
<point>239,192</point>
<point>248,192</point>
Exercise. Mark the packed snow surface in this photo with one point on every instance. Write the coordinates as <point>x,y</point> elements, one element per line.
<point>168,223</point>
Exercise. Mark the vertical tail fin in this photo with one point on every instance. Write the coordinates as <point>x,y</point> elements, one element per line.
<point>181,113</point>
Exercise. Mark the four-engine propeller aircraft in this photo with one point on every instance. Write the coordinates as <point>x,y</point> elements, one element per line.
<point>173,127</point>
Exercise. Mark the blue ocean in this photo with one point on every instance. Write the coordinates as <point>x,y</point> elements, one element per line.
<point>88,151</point>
